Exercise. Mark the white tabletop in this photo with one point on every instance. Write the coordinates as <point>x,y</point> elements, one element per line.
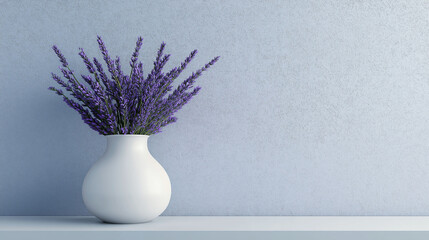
<point>221,223</point>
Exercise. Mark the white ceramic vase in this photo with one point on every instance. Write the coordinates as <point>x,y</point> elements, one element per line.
<point>126,185</point>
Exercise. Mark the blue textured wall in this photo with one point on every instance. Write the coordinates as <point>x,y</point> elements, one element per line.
<point>316,107</point>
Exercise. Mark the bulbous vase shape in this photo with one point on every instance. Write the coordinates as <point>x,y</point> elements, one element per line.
<point>126,185</point>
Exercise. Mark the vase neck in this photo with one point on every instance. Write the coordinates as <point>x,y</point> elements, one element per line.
<point>127,143</point>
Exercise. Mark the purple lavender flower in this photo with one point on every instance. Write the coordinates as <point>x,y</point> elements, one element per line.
<point>60,56</point>
<point>88,63</point>
<point>135,55</point>
<point>127,104</point>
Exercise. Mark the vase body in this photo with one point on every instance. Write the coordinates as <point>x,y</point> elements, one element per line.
<point>126,185</point>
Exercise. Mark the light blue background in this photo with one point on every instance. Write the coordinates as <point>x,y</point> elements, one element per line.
<point>315,108</point>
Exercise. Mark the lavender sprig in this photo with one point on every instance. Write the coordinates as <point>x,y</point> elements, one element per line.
<point>135,55</point>
<point>60,56</point>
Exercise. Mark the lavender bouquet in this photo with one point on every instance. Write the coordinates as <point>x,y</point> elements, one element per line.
<point>127,104</point>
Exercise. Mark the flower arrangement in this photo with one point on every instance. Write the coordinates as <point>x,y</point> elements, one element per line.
<point>127,104</point>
